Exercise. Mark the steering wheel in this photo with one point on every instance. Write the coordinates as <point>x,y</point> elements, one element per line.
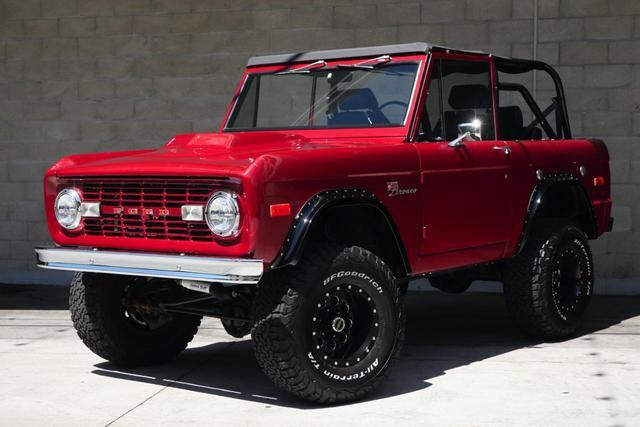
<point>388,103</point>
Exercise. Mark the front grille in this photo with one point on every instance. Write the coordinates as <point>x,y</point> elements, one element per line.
<point>146,208</point>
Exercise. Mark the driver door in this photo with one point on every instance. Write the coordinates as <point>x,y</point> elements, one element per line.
<point>464,185</point>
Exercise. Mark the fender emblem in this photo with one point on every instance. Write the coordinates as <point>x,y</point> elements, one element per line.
<point>393,189</point>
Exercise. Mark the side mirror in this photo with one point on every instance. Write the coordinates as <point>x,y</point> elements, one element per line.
<point>473,128</point>
<point>459,141</point>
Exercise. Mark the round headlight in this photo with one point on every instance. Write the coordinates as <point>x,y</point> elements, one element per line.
<point>223,215</point>
<point>67,208</point>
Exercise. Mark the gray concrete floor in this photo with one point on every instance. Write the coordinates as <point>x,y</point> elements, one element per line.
<point>463,364</point>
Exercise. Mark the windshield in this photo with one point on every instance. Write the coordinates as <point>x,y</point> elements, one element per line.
<point>345,96</point>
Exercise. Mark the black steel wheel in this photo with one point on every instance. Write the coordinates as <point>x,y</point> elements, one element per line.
<point>335,325</point>
<point>549,285</point>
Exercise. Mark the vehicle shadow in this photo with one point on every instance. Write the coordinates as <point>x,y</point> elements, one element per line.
<point>443,332</point>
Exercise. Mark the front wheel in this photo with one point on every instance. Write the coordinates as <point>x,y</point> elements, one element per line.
<point>549,285</point>
<point>114,321</point>
<point>336,324</point>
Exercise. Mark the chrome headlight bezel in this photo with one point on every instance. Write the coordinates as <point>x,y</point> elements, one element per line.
<point>232,229</point>
<point>74,196</point>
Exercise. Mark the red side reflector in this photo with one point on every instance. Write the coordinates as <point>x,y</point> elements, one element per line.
<point>283,209</point>
<point>599,181</point>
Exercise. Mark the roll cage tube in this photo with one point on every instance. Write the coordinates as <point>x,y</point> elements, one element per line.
<point>540,115</point>
<point>519,66</point>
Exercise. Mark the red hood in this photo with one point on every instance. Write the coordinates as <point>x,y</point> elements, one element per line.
<point>222,154</point>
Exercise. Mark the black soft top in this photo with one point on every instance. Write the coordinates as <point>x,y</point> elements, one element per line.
<point>506,65</point>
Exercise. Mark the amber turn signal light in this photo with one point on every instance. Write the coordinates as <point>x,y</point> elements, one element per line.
<point>282,209</point>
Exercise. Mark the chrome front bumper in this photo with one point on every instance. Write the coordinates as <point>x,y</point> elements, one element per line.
<point>179,267</point>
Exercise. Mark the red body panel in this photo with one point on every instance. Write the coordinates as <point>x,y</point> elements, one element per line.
<point>472,201</point>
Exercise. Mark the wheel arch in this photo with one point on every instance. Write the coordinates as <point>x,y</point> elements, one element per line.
<point>352,216</point>
<point>559,196</point>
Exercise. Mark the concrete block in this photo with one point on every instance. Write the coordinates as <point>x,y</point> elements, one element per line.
<point>192,23</point>
<point>111,68</point>
<point>229,20</point>
<point>97,131</point>
<point>134,88</point>
<point>27,170</point>
<point>620,171</point>
<point>192,65</point>
<point>26,211</point>
<point>12,29</point>
<point>97,90</point>
<point>580,52</point>
<point>23,49</point>
<point>59,48</point>
<point>42,110</point>
<point>12,110</point>
<point>609,28</point>
<point>333,38</point>
<point>382,35</point>
<point>41,27</point>
<point>172,87</point>
<point>24,90</point>
<point>467,33</point>
<point>115,109</point>
<point>38,231</point>
<point>636,124</point>
<point>524,9</point>
<point>95,8</point>
<point>171,44</point>
<point>131,7</point>
<point>111,25</point>
<point>153,109</point>
<point>514,31</point>
<point>170,6</point>
<point>436,11</point>
<point>12,230</point>
<point>311,17</point>
<point>547,52</point>
<point>399,13</point>
<point>77,27</point>
<point>95,46</point>
<point>550,30</point>
<point>21,9</point>
<point>607,76</point>
<point>354,16</point>
<point>607,123</point>
<point>63,130</point>
<point>152,24</point>
<point>624,7</point>
<point>624,100</point>
<point>487,9</point>
<point>587,100</point>
<point>210,42</point>
<point>625,195</point>
<point>251,42</point>
<point>434,33</point>
<point>635,173</point>
<point>624,51</point>
<point>59,8</point>
<point>131,45</point>
<point>584,7</point>
<point>270,18</point>
<point>78,110</point>
<point>291,40</point>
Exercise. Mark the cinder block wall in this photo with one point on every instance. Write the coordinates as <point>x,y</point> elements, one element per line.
<point>79,76</point>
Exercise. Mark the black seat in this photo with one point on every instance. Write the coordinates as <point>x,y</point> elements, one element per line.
<point>356,107</point>
<point>512,127</point>
<point>465,100</point>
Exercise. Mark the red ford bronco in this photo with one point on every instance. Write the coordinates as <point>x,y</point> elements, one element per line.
<point>336,178</point>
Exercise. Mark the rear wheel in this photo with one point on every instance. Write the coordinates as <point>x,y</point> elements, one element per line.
<point>549,285</point>
<point>336,324</point>
<point>116,323</point>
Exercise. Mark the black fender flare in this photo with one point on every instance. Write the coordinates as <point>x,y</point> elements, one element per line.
<point>537,198</point>
<point>293,246</point>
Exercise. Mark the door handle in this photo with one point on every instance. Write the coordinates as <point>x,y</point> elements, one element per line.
<point>505,150</point>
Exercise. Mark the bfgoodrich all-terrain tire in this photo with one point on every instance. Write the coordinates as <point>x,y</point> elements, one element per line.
<point>335,323</point>
<point>549,285</point>
<point>97,304</point>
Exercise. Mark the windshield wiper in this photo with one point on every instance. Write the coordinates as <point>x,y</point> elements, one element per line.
<point>368,64</point>
<point>304,69</point>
